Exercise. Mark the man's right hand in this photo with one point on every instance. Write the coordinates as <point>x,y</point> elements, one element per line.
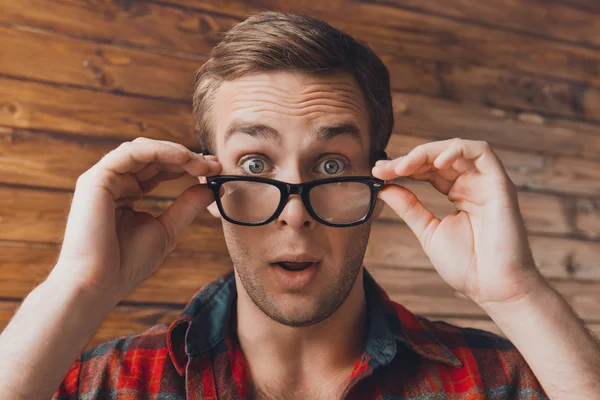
<point>108,247</point>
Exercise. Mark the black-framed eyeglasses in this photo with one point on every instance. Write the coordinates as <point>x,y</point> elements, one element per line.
<point>253,201</point>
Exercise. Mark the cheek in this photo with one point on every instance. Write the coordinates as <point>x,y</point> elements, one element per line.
<point>356,239</point>
<point>243,243</point>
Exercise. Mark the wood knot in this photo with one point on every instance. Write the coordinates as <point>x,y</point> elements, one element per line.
<point>10,109</point>
<point>400,107</point>
<point>532,118</point>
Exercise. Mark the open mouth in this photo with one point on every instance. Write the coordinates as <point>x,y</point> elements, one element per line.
<point>293,266</point>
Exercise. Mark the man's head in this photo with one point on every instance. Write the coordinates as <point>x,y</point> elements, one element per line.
<point>270,87</point>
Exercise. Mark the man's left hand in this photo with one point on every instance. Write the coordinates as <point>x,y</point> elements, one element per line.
<point>481,249</point>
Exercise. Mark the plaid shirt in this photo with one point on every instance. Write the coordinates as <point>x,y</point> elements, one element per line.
<point>406,356</point>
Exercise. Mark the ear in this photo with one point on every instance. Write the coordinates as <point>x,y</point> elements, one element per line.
<point>378,208</point>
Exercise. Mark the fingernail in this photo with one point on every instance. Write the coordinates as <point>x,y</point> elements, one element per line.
<point>382,162</point>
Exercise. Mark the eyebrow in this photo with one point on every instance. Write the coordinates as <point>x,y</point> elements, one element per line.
<point>265,132</point>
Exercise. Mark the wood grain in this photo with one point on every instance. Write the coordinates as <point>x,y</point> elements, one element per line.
<point>25,265</point>
<point>405,32</point>
<point>66,60</point>
<point>78,78</point>
<point>539,172</point>
<point>455,79</point>
<point>575,23</point>
<point>76,110</point>
<point>123,320</point>
<point>140,24</point>
<point>393,244</point>
<point>97,114</point>
<point>201,253</point>
<point>108,118</point>
<point>422,292</point>
<point>436,118</point>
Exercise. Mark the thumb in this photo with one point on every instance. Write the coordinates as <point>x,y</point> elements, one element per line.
<point>408,207</point>
<point>182,212</point>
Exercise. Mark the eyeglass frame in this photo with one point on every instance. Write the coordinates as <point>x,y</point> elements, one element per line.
<point>302,189</point>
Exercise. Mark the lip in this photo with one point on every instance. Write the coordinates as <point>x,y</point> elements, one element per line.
<point>295,281</point>
<point>296,258</point>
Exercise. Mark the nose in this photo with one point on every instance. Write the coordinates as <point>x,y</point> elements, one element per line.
<point>295,214</point>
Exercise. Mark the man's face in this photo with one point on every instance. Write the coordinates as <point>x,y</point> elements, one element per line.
<point>266,125</point>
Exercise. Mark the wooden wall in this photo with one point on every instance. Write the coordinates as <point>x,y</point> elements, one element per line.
<point>79,77</point>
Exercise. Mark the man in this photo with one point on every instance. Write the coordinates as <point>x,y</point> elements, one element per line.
<point>295,114</point>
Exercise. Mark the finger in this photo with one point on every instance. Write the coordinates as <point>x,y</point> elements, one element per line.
<point>436,180</point>
<point>155,168</point>
<point>126,189</point>
<point>163,176</point>
<point>130,155</point>
<point>182,212</point>
<point>408,207</point>
<point>478,152</point>
<point>387,172</point>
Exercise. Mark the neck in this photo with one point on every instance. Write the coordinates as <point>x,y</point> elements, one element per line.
<point>307,354</point>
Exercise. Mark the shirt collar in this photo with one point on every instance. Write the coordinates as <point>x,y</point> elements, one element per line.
<point>204,322</point>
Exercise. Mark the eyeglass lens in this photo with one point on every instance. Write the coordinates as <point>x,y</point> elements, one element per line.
<point>336,202</point>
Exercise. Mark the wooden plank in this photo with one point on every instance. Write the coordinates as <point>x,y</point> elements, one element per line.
<point>422,293</point>
<point>428,117</point>
<point>39,159</point>
<point>394,244</point>
<point>531,171</point>
<point>425,292</point>
<point>134,319</point>
<point>30,215</point>
<point>37,216</point>
<point>26,160</point>
<point>569,22</point>
<point>587,217</point>
<point>196,260</point>
<point>496,88</point>
<point>122,321</point>
<point>130,23</point>
<point>25,265</point>
<point>543,213</point>
<point>490,326</point>
<point>401,32</point>
<point>39,106</point>
<point>104,115</point>
<point>459,79</point>
<point>62,59</point>
<point>109,67</point>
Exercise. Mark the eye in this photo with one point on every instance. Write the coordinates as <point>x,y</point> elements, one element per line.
<point>332,166</point>
<point>253,165</point>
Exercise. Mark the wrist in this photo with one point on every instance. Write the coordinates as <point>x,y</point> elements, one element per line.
<point>83,300</point>
<point>530,300</point>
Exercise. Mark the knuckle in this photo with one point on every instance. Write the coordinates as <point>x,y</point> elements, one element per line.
<point>125,146</point>
<point>419,149</point>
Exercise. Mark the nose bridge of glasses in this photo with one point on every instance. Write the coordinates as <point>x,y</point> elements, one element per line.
<point>295,188</point>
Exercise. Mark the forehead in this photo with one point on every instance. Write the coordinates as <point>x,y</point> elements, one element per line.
<point>289,100</point>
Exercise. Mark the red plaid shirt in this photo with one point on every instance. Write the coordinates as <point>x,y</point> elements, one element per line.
<point>406,356</point>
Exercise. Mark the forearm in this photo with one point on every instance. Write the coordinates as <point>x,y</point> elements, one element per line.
<point>51,328</point>
<point>562,354</point>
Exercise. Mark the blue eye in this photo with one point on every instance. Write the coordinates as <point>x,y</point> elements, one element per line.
<point>254,165</point>
<point>332,166</point>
